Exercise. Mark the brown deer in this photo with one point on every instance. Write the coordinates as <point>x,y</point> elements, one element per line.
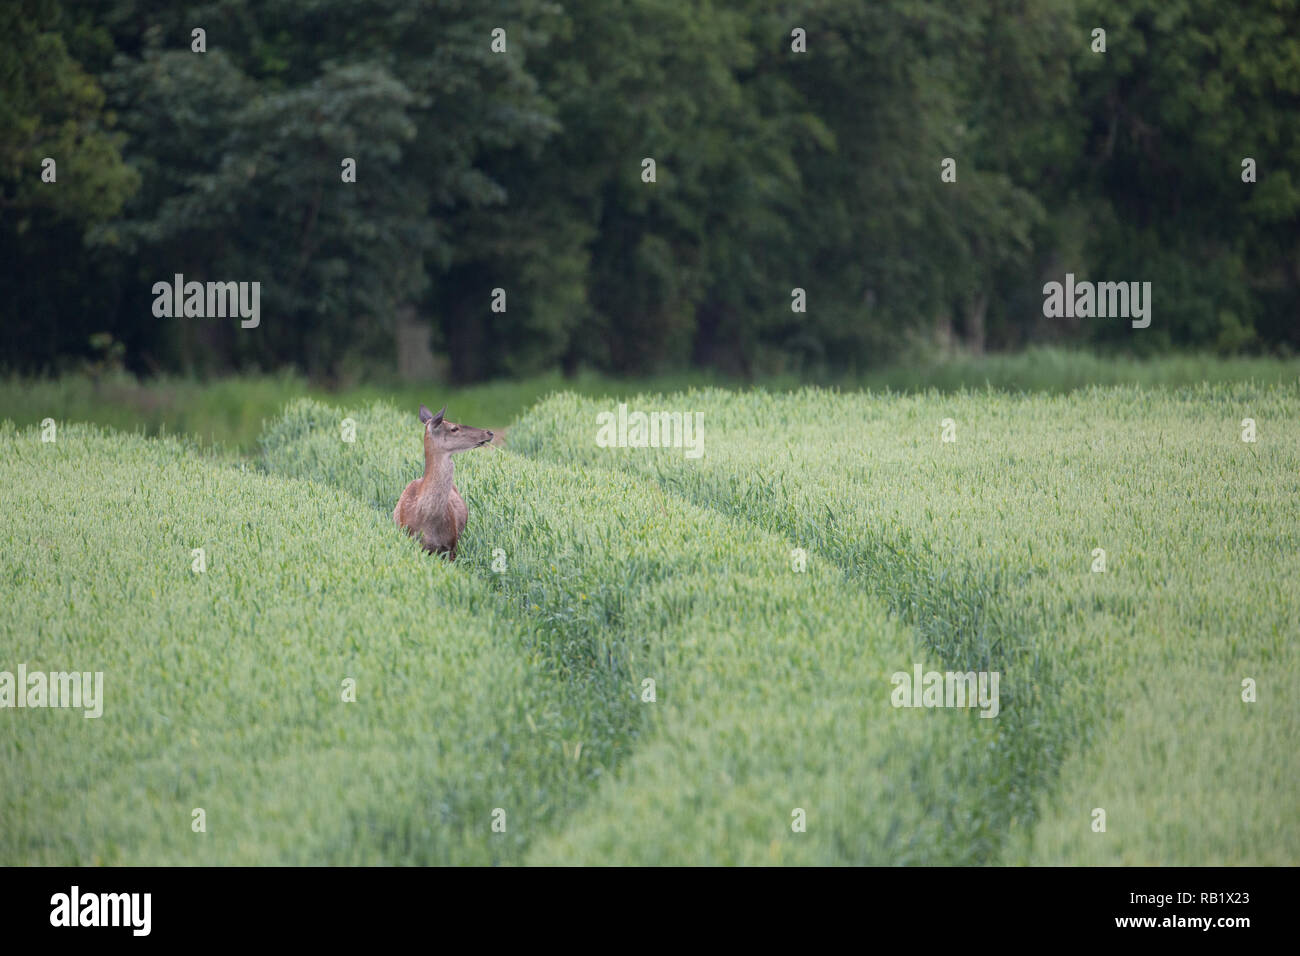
<point>431,508</point>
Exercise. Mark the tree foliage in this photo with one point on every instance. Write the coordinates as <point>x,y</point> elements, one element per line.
<point>520,168</point>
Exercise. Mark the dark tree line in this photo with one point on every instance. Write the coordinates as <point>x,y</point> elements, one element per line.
<point>522,170</point>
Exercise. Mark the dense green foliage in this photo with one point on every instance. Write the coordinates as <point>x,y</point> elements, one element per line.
<point>521,170</point>
<point>520,686</point>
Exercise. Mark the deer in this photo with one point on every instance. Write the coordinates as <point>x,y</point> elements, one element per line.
<point>431,508</point>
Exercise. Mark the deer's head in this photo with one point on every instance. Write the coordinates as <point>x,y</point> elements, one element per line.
<point>444,437</point>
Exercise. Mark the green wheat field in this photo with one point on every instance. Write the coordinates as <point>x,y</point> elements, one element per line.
<point>501,712</point>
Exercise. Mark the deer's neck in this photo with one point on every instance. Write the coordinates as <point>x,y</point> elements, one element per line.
<point>438,471</point>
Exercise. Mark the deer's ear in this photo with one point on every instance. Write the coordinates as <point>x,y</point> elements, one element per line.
<point>437,419</point>
<point>425,414</point>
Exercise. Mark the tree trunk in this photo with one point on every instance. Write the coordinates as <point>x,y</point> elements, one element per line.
<point>975,312</point>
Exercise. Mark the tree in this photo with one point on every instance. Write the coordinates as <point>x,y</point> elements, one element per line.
<point>51,108</point>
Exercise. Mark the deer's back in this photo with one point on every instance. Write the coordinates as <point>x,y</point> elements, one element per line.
<point>402,514</point>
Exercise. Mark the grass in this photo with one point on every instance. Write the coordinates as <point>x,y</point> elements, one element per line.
<point>224,690</point>
<point>232,412</point>
<point>1126,685</point>
<point>517,677</point>
<point>636,584</point>
<point>1058,371</point>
